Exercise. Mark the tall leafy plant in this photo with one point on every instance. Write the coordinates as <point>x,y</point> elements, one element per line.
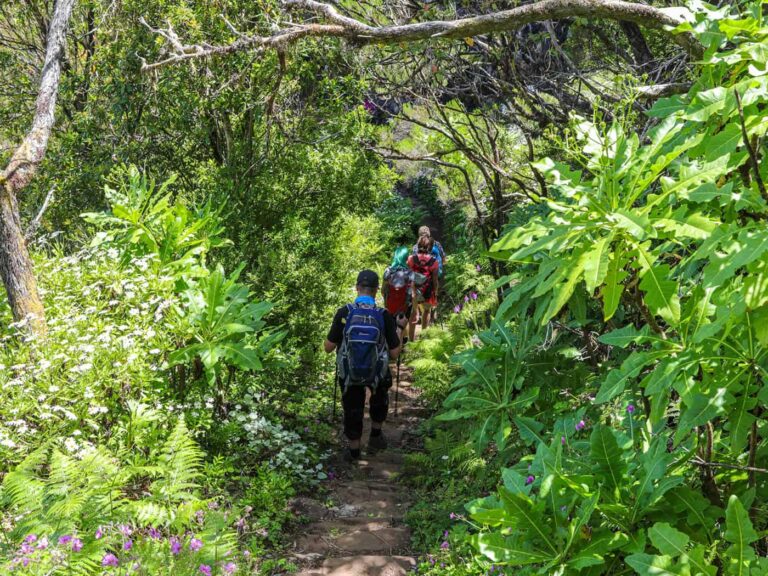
<point>657,243</point>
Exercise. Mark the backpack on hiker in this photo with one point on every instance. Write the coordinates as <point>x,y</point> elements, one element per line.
<point>363,357</point>
<point>423,264</point>
<point>439,257</point>
<point>399,280</point>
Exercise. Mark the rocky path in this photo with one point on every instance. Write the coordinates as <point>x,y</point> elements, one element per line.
<point>359,530</point>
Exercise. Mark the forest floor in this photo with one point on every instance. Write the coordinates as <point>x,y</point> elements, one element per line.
<point>359,529</point>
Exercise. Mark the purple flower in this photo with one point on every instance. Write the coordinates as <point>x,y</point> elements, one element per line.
<point>25,561</point>
<point>369,106</point>
<point>452,516</point>
<point>580,425</point>
<point>27,548</point>
<point>109,560</point>
<point>99,533</point>
<point>530,479</point>
<point>478,267</point>
<point>473,295</point>
<point>631,408</point>
<point>205,569</point>
<point>154,533</point>
<point>466,299</point>
<point>175,546</point>
<point>125,530</point>
<point>42,544</point>
<point>445,535</point>
<point>331,475</point>
<point>195,544</point>
<point>77,544</point>
<point>128,544</point>
<point>66,539</point>
<point>445,545</point>
<point>30,539</point>
<point>562,440</point>
<point>230,568</point>
<point>457,309</point>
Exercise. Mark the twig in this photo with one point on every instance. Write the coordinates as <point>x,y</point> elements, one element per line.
<point>35,224</point>
<point>699,462</point>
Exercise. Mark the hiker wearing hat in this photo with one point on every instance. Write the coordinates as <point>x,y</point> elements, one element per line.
<point>365,337</point>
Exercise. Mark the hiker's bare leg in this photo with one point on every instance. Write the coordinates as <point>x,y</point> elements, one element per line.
<point>412,322</point>
<point>426,316</point>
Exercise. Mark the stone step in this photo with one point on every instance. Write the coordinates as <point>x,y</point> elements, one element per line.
<point>340,526</point>
<point>376,470</point>
<point>382,541</point>
<point>364,566</point>
<point>385,507</point>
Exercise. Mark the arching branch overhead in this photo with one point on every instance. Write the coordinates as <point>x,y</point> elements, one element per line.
<point>338,25</point>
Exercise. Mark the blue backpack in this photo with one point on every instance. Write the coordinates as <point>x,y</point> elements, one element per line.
<point>436,254</point>
<point>363,356</point>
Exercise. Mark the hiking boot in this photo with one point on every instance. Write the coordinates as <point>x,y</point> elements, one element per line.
<point>377,443</point>
<point>349,458</point>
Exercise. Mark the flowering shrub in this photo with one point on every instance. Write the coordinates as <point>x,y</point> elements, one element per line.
<point>108,331</point>
<point>100,474</point>
<point>268,441</point>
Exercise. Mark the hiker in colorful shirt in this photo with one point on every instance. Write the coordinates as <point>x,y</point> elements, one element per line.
<point>437,248</point>
<point>426,278</point>
<point>365,337</point>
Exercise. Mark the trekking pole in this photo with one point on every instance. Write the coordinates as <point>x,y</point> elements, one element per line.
<point>397,386</point>
<point>335,385</point>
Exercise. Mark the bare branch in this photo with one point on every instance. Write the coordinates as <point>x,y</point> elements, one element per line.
<point>35,224</point>
<point>661,90</point>
<point>28,156</point>
<point>341,26</point>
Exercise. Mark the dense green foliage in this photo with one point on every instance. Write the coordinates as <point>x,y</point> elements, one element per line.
<point>597,372</point>
<point>621,381</point>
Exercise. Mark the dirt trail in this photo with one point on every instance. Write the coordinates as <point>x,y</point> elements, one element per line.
<point>359,531</point>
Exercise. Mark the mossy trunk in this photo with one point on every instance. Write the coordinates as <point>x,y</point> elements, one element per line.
<point>16,268</point>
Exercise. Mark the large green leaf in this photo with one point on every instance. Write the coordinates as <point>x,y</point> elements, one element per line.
<point>625,336</point>
<point>740,533</point>
<point>701,408</point>
<point>529,520</point>
<point>661,293</point>
<point>618,378</point>
<point>497,548</point>
<point>614,286</point>
<point>596,263</point>
<point>607,456</point>
<point>650,565</point>
<point>668,540</point>
<point>529,429</point>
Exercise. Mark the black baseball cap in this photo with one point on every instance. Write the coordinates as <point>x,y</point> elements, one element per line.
<point>368,279</point>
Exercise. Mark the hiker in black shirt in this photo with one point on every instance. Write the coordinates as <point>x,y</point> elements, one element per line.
<point>353,396</point>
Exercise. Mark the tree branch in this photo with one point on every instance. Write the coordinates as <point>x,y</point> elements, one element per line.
<point>28,156</point>
<point>35,224</point>
<point>341,26</point>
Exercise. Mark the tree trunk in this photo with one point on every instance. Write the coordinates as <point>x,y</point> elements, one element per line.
<point>642,54</point>
<point>16,266</point>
